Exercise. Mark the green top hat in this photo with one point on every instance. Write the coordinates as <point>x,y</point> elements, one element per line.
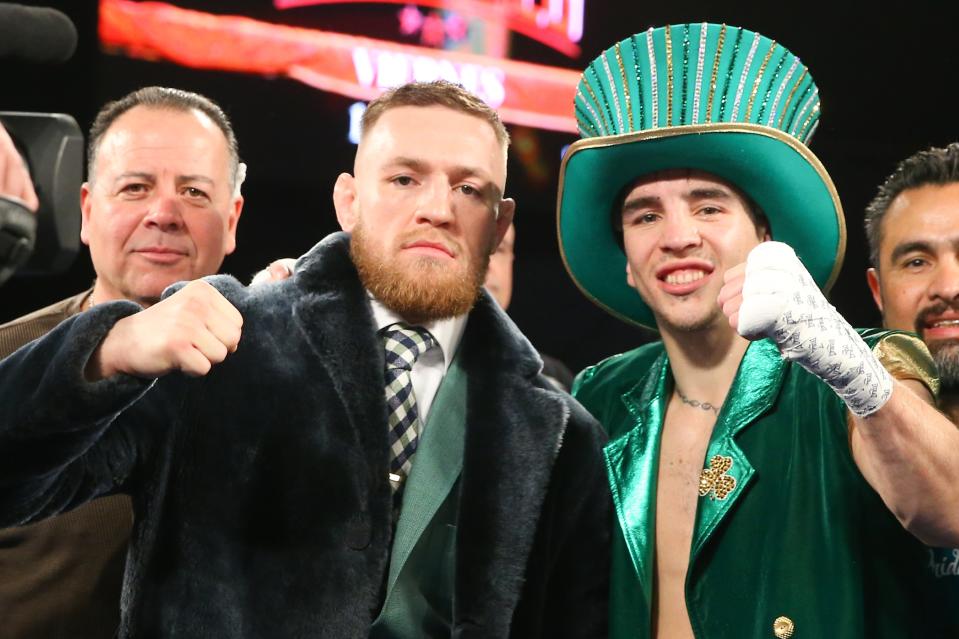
<point>709,97</point>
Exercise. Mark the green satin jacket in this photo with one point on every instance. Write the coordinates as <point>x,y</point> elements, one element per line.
<point>789,539</point>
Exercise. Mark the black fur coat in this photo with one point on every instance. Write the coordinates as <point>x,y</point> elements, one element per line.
<point>260,491</point>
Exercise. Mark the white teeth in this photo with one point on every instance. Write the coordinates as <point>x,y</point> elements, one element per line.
<point>684,276</point>
<point>954,322</point>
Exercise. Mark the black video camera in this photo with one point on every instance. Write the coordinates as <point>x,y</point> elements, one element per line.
<point>52,146</point>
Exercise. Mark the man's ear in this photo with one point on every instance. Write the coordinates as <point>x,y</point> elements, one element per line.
<point>86,197</point>
<point>345,202</point>
<point>762,230</point>
<point>629,276</point>
<point>507,207</point>
<point>872,278</point>
<point>233,216</point>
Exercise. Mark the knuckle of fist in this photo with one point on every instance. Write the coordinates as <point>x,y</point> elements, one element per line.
<point>180,345</point>
<point>202,367</point>
<point>192,305</point>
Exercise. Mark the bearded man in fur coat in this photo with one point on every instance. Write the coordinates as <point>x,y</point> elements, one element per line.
<point>291,479</point>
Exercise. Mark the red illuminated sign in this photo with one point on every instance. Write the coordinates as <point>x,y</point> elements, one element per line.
<point>555,23</point>
<point>353,66</point>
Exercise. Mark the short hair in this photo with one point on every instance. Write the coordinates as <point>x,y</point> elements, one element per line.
<point>163,98</point>
<point>435,93</point>
<point>933,166</point>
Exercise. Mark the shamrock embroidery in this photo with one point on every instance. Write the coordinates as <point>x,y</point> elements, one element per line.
<point>715,480</point>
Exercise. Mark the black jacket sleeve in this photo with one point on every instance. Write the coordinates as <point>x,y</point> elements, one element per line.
<point>60,445</point>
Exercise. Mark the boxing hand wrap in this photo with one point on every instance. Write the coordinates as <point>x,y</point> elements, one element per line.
<point>781,301</point>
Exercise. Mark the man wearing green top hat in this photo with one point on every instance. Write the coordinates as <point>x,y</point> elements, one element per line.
<point>771,468</point>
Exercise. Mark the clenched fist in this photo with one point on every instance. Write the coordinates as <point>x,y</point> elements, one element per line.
<point>189,331</point>
<point>773,295</point>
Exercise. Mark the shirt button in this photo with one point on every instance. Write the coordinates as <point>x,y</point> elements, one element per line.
<point>783,627</point>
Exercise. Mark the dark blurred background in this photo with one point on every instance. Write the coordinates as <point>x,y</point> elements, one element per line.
<point>886,80</point>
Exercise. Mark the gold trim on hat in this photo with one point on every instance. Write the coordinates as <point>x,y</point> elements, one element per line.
<point>802,130</point>
<point>694,129</point>
<point>605,101</point>
<point>612,89</point>
<point>782,116</point>
<point>712,82</point>
<point>804,102</point>
<point>759,80</point>
<point>772,84</point>
<point>634,46</point>
<point>742,78</point>
<point>586,127</point>
<point>730,68</point>
<point>599,105</point>
<point>781,90</point>
<point>597,124</point>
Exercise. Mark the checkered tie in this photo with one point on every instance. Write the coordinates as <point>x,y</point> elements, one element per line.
<point>404,345</point>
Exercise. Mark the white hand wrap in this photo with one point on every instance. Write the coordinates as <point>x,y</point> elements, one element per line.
<point>781,301</point>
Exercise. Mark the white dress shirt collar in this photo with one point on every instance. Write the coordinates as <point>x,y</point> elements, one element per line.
<point>447,332</point>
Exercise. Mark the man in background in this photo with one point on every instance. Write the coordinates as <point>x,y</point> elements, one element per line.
<point>912,226</point>
<point>499,283</point>
<point>161,205</point>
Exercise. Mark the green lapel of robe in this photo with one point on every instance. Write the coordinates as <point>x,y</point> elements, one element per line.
<point>436,468</point>
<point>727,471</point>
<point>632,461</point>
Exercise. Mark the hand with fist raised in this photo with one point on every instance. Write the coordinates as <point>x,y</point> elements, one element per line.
<point>189,331</point>
<point>773,295</point>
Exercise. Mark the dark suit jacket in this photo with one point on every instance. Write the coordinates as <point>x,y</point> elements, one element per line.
<point>60,578</point>
<point>261,494</point>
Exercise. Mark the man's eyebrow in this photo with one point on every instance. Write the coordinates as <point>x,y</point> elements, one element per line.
<point>911,246</point>
<point>150,177</point>
<point>422,165</point>
<point>642,202</point>
<point>194,178</point>
<point>708,194</point>
<point>411,163</point>
<point>923,246</point>
<point>143,175</point>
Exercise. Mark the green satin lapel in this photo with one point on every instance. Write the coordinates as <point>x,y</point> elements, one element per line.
<point>632,459</point>
<point>754,390</point>
<point>436,467</point>
<point>632,463</point>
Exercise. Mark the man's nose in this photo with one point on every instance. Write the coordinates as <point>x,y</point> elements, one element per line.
<point>680,232</point>
<point>436,205</point>
<point>164,213</point>
<point>945,283</point>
